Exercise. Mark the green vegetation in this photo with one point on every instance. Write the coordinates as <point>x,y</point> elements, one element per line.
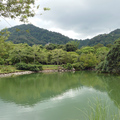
<point>27,57</point>
<point>31,67</point>
<point>99,110</point>
<point>68,66</point>
<point>7,69</point>
<point>50,67</point>
<point>100,57</point>
<point>21,9</point>
<point>34,35</point>
<point>105,39</point>
<point>31,35</point>
<point>111,64</point>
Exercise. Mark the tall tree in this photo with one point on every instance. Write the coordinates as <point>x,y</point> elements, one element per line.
<point>111,64</point>
<point>3,46</point>
<point>70,47</point>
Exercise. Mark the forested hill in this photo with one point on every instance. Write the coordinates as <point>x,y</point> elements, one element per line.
<point>34,35</point>
<point>105,38</point>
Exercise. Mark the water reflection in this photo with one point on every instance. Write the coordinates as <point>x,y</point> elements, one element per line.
<point>30,89</point>
<point>56,92</point>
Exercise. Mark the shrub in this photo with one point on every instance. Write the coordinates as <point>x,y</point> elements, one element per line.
<point>35,67</point>
<point>22,66</point>
<point>79,66</point>
<point>68,66</point>
<point>31,67</point>
<point>40,67</point>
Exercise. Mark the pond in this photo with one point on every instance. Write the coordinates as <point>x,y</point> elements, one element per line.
<point>81,95</point>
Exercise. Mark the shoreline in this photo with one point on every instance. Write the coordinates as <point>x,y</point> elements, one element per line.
<point>15,73</point>
<point>29,72</point>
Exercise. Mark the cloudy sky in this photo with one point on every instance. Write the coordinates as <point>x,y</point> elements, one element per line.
<point>77,19</point>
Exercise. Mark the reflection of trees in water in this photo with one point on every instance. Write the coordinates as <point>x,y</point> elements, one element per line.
<point>113,87</point>
<point>30,89</point>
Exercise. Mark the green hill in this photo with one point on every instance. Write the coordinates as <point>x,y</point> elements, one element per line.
<point>31,34</point>
<point>34,35</point>
<point>105,38</point>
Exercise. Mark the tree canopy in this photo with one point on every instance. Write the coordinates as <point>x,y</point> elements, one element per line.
<point>21,9</point>
<point>17,9</point>
<point>111,64</point>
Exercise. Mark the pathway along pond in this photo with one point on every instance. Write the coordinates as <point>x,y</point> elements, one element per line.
<point>60,96</point>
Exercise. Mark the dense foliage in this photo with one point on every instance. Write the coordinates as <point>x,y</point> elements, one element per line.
<point>15,8</point>
<point>111,64</point>
<point>105,39</point>
<point>28,57</point>
<point>24,66</point>
<point>20,9</point>
<point>33,35</point>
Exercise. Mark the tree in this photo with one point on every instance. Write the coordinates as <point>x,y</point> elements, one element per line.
<point>89,60</point>
<point>98,46</point>
<point>70,47</point>
<point>86,50</point>
<point>36,49</point>
<point>21,9</point>
<point>76,43</point>
<point>109,45</point>
<point>50,46</point>
<point>101,53</point>
<point>4,47</point>
<point>72,57</point>
<point>58,56</point>
<point>111,64</point>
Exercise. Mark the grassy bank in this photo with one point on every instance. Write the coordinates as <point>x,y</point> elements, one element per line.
<point>12,68</point>
<point>50,67</point>
<point>8,69</point>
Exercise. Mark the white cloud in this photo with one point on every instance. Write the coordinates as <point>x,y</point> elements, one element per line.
<point>77,18</point>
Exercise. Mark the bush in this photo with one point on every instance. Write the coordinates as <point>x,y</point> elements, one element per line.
<point>22,66</point>
<point>79,66</point>
<point>31,67</point>
<point>34,67</point>
<point>68,66</point>
<point>40,67</point>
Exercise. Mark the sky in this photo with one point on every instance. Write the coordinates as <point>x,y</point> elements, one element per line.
<point>77,19</point>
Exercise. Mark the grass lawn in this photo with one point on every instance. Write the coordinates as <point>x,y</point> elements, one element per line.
<point>50,67</point>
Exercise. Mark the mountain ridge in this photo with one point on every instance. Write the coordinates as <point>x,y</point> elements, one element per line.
<point>31,35</point>
<point>38,35</point>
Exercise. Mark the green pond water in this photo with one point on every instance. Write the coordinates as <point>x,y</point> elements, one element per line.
<point>60,96</point>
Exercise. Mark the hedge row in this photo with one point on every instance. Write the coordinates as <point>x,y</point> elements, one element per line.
<point>31,67</point>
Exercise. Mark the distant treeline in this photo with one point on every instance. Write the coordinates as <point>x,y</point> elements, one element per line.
<point>104,58</point>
